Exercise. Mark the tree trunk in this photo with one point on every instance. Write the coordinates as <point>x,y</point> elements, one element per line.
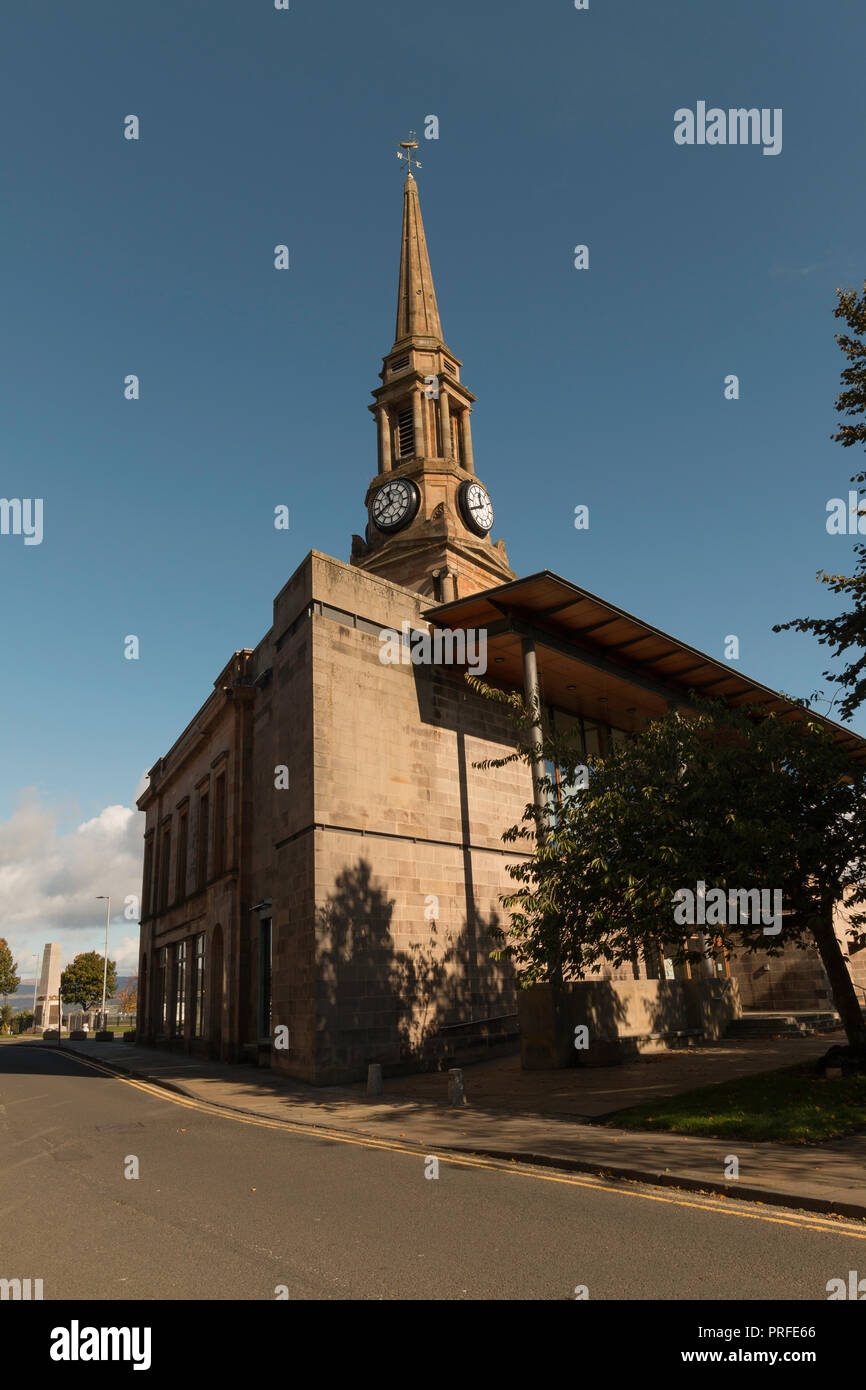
<point>844,993</point>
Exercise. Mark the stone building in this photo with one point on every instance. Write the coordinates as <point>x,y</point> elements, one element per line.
<point>323,858</point>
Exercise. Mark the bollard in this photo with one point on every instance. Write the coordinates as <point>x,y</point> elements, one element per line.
<point>374,1079</point>
<point>455,1086</point>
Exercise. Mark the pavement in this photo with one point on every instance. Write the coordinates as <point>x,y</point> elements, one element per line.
<point>179,1200</point>
<point>541,1117</point>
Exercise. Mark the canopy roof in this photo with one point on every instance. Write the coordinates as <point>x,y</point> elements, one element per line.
<point>601,662</point>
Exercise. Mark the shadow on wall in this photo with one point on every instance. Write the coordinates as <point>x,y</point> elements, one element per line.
<point>384,1002</point>
<point>549,1018</point>
<point>619,1019</point>
<point>794,978</point>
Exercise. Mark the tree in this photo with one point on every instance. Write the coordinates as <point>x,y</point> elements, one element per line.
<point>6,1012</point>
<point>81,982</point>
<point>127,999</point>
<point>9,980</point>
<point>848,629</point>
<point>737,801</point>
<point>24,1020</point>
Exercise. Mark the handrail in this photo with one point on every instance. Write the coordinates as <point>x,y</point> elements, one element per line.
<point>473,1022</point>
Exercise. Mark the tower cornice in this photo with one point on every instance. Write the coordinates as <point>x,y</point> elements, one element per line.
<point>397,386</point>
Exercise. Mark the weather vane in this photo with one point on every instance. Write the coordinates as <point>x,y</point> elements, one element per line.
<point>409,145</point>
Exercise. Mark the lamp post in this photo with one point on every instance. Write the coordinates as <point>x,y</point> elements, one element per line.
<point>101,897</point>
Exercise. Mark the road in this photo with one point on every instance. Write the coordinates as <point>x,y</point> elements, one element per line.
<point>235,1208</point>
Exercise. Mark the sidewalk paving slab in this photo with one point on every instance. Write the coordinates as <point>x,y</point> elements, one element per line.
<point>829,1177</point>
<point>583,1093</point>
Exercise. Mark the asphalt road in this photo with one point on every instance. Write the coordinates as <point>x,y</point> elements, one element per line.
<point>233,1208</point>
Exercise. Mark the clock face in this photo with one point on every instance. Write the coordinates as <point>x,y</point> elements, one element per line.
<point>395,504</point>
<point>476,506</point>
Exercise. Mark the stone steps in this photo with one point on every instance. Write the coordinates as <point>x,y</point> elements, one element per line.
<point>779,1025</point>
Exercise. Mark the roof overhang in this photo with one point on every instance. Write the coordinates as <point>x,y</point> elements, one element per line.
<point>601,662</point>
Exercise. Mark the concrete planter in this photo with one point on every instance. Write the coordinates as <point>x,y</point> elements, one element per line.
<point>105,1035</point>
<point>623,1019</point>
<point>78,1035</point>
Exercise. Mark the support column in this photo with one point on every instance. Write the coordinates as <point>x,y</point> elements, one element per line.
<point>445,424</point>
<point>532,696</point>
<point>418,421</point>
<point>707,967</point>
<point>466,437</point>
<point>384,440</point>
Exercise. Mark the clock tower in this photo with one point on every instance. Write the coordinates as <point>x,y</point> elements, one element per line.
<point>429,515</point>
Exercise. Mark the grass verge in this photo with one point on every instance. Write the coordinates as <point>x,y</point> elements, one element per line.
<point>788,1107</point>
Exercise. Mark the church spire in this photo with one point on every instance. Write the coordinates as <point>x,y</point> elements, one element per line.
<point>429,516</point>
<point>417,310</point>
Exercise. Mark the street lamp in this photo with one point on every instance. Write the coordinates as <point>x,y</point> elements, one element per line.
<point>101,897</point>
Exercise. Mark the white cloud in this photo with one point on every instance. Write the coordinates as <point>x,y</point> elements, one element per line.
<point>50,878</point>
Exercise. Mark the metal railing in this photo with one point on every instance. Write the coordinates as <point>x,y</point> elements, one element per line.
<point>474,1022</point>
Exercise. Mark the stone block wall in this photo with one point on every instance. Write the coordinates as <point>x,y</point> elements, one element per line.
<point>409,862</point>
<point>623,1017</point>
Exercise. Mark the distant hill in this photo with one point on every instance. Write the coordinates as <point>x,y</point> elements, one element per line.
<point>23,996</point>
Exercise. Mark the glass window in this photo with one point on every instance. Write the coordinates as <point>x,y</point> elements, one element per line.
<point>180,873</point>
<point>265,966</point>
<point>163,988</point>
<point>219,826</point>
<point>568,730</point>
<point>569,787</point>
<point>569,727</point>
<point>164,862</point>
<point>552,792</point>
<point>592,736</point>
<point>180,988</point>
<point>198,1022</point>
<point>203,827</point>
<point>147,886</point>
<point>652,961</point>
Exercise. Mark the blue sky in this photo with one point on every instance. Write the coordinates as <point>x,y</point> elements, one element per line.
<point>601,387</point>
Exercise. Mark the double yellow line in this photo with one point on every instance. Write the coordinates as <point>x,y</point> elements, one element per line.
<point>806,1223</point>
